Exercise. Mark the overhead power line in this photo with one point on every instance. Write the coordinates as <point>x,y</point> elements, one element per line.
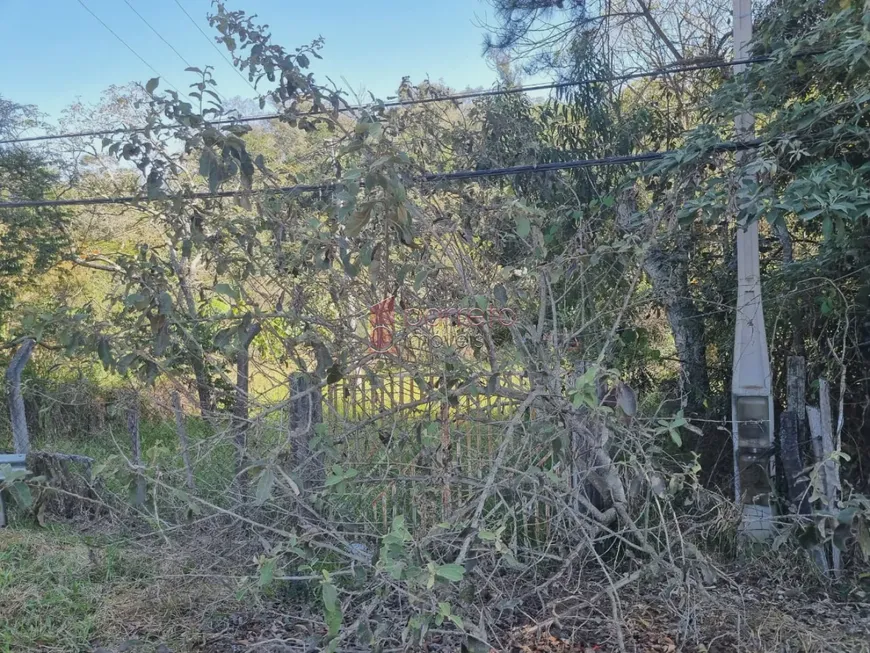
<point>432,177</point>
<point>123,42</point>
<point>159,35</point>
<point>216,48</point>
<point>456,97</point>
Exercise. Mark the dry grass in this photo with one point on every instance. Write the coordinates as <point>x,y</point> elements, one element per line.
<point>65,591</point>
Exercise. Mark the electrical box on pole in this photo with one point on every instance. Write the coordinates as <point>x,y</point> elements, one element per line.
<point>751,399</point>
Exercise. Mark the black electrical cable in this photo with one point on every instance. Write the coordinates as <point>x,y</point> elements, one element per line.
<point>457,97</point>
<point>426,178</point>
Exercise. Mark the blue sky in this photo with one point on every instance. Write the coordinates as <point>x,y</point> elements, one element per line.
<point>54,51</point>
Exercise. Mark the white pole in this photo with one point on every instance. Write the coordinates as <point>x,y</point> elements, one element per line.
<point>752,403</point>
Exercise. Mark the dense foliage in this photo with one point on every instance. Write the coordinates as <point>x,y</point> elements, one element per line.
<point>463,472</point>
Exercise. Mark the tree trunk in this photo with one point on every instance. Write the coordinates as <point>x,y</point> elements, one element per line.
<point>669,279</point>
<point>203,387</point>
<point>20,436</point>
<point>240,405</point>
<point>182,438</point>
<point>667,272</point>
<point>306,412</point>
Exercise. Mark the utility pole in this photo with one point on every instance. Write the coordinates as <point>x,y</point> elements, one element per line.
<point>751,399</point>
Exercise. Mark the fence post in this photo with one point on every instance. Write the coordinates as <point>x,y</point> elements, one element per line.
<point>306,412</point>
<point>240,420</point>
<point>821,433</point>
<point>182,438</point>
<point>832,465</point>
<point>791,462</point>
<point>796,384</point>
<point>793,468</point>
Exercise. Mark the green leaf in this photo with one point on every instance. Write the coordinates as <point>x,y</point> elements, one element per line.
<point>846,515</point>
<point>151,86</point>
<point>359,220</point>
<point>264,486</point>
<point>228,290</point>
<point>482,301</point>
<point>331,608</point>
<point>334,374</point>
<point>11,475</point>
<point>330,597</point>
<point>22,495</point>
<point>420,277</point>
<point>267,572</point>
<point>675,436</point>
<point>136,299</point>
<point>215,177</point>
<point>333,623</point>
<point>451,572</point>
<point>302,60</point>
<point>500,294</point>
<point>164,302</point>
<point>206,161</point>
<point>105,352</point>
<point>864,538</point>
<point>524,226</point>
<point>841,535</point>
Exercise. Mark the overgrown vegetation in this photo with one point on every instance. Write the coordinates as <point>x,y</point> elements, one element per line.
<point>314,403</point>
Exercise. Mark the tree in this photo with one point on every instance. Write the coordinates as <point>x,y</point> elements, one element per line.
<point>32,238</point>
<point>570,42</point>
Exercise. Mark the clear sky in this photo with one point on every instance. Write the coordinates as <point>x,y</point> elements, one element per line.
<point>55,51</point>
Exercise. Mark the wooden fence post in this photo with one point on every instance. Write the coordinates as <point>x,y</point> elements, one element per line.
<point>793,468</point>
<point>796,395</point>
<point>240,420</point>
<point>182,438</point>
<point>822,436</point>
<point>791,462</point>
<point>306,412</point>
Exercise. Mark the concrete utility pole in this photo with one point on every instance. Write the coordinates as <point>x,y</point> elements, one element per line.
<point>751,400</point>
